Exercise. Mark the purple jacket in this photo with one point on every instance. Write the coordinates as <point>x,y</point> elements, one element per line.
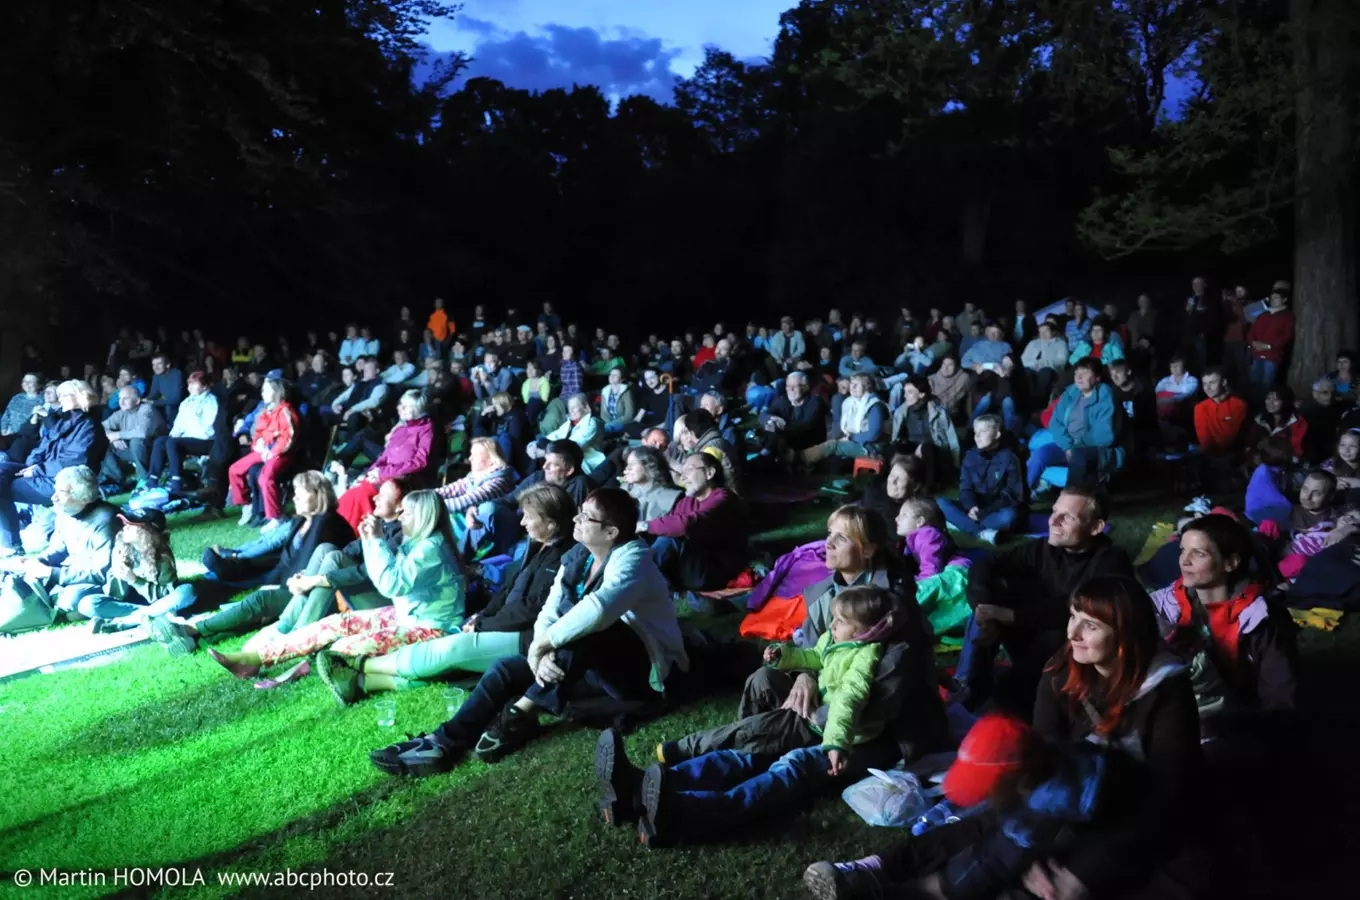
<point>933,550</point>
<point>801,567</point>
<point>408,449</point>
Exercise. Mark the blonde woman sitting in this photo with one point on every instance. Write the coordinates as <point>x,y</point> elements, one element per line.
<point>422,579</point>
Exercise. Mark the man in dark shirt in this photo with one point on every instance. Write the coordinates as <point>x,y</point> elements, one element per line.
<point>795,421</point>
<point>1020,598</point>
<point>1138,403</point>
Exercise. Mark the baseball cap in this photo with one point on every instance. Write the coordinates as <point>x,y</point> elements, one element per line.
<point>993,749</point>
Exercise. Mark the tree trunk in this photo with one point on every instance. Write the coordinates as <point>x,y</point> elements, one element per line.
<point>1325,290</point>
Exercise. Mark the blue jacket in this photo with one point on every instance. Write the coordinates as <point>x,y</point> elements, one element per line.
<point>72,438</point>
<point>849,367</point>
<point>1101,426</point>
<point>992,480</point>
<point>1008,844</point>
<point>1113,352</point>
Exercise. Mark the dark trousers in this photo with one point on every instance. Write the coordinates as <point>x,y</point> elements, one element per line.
<point>172,450</point>
<point>1029,652</point>
<point>35,490</point>
<point>761,727</point>
<point>683,563</point>
<point>608,668</point>
<point>238,571</point>
<point>136,455</point>
<point>362,441</point>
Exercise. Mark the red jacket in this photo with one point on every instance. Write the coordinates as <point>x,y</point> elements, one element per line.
<point>276,428</point>
<point>1219,424</point>
<point>1295,431</point>
<point>1275,329</point>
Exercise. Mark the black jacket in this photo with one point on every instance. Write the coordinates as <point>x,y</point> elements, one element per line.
<point>577,487</point>
<point>804,426</point>
<point>1159,729</point>
<point>526,586</point>
<point>329,529</point>
<point>1036,579</point>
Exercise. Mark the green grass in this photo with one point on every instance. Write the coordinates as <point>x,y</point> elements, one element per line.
<point>154,761</point>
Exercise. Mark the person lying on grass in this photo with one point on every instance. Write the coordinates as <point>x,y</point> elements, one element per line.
<point>422,579</point>
<point>305,596</point>
<point>772,762</point>
<point>504,628</point>
<point>606,635</point>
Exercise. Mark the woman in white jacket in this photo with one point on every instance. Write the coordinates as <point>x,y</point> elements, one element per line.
<point>190,435</point>
<point>607,636</point>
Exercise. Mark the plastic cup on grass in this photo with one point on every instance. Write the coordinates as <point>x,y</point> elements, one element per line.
<point>453,699</point>
<point>387,711</point>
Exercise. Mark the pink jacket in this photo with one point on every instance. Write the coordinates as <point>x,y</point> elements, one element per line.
<point>407,451</point>
<point>933,550</point>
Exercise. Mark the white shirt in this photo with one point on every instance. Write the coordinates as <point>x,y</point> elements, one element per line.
<point>196,417</point>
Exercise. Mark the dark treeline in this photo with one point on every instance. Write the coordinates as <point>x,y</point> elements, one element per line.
<point>253,163</point>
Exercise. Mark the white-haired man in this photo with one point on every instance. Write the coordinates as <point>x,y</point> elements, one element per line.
<point>75,563</point>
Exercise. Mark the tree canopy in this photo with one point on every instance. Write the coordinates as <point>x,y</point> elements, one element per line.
<point>268,159</point>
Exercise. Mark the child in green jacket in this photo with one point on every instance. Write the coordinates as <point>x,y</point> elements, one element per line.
<point>844,658</point>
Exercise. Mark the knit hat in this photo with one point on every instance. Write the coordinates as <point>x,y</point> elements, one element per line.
<point>993,749</point>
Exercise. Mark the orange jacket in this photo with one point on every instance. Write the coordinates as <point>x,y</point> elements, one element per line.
<point>440,323</point>
<point>1218,424</point>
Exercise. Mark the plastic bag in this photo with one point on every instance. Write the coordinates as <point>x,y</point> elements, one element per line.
<point>891,799</point>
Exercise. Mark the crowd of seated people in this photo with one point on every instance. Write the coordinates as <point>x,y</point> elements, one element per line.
<point>597,487</point>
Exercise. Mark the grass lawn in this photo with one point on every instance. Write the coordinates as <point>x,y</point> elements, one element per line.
<point>158,762</point>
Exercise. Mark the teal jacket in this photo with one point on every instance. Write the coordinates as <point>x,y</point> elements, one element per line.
<point>423,579</point>
<point>845,677</point>
<point>1101,425</point>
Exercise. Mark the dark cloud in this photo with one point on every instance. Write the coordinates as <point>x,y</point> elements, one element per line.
<point>563,56</point>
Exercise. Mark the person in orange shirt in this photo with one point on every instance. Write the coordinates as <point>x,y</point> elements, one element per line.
<point>439,322</point>
<point>1220,417</point>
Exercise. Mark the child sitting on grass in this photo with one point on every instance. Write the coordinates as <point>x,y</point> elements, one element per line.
<point>764,764</point>
<point>941,572</point>
<point>921,524</point>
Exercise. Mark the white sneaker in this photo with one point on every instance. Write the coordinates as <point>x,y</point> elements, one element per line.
<point>1200,505</point>
<point>987,535</point>
<point>246,513</point>
<point>270,525</point>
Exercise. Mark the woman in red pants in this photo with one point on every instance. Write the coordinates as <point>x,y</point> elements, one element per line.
<point>271,443</point>
<point>406,453</point>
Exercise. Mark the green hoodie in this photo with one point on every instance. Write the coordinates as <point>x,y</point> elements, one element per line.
<point>845,677</point>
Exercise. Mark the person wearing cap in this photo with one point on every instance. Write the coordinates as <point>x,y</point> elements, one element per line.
<point>1011,797</point>
<point>701,543</point>
<point>1020,597</point>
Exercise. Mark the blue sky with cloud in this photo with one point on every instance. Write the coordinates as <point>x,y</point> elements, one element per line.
<point>624,46</point>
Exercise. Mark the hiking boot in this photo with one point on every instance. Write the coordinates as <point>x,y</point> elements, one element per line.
<point>418,757</point>
<point>655,821</point>
<point>618,779</point>
<point>176,637</point>
<point>339,677</point>
<point>511,730</point>
<point>840,881</point>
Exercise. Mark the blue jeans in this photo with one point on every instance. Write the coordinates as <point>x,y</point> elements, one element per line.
<point>36,490</point>
<point>101,606</point>
<point>1028,651</point>
<point>1002,520</point>
<point>1009,418</point>
<point>1084,463</point>
<point>1263,372</point>
<point>727,789</point>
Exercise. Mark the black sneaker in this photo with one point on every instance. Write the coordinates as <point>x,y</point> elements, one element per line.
<point>339,677</point>
<point>419,757</point>
<point>176,638</point>
<point>618,779</point>
<point>511,731</point>
<point>655,828</point>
